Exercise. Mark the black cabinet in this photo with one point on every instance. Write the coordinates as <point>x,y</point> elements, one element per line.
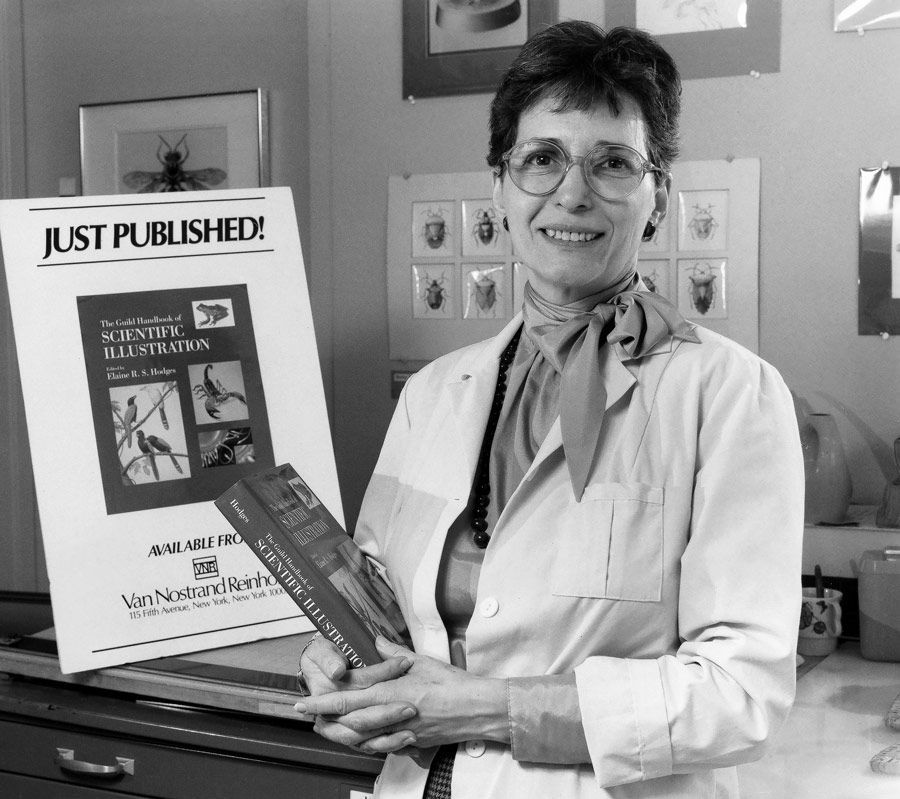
<point>71,741</point>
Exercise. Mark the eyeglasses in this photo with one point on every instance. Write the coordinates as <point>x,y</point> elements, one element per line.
<point>613,171</point>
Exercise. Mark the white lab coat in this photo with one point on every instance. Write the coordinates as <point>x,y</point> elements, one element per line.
<point>671,589</point>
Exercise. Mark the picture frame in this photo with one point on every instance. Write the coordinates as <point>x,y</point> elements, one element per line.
<point>850,15</point>
<point>470,60</point>
<point>712,53</point>
<point>879,251</point>
<point>186,143</point>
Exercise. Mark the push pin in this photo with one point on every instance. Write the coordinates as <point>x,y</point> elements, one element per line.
<point>411,100</point>
<point>754,73</point>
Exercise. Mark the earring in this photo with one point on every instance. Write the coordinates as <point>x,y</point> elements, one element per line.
<point>505,223</point>
<point>649,230</point>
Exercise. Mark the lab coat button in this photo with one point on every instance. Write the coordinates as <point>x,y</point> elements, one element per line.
<point>475,748</point>
<point>489,607</point>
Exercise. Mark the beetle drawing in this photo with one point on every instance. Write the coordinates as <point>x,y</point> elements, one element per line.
<point>485,293</point>
<point>435,230</point>
<point>703,224</point>
<point>702,288</point>
<point>433,293</point>
<point>484,229</point>
<point>173,177</point>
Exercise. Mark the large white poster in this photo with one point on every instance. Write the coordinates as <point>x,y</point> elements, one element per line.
<point>166,349</point>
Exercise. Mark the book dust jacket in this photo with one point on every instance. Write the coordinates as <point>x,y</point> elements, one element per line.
<point>166,350</point>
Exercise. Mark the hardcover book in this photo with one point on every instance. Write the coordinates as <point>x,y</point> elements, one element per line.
<point>315,561</point>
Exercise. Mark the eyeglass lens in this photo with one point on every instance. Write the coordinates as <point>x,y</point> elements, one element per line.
<point>612,171</point>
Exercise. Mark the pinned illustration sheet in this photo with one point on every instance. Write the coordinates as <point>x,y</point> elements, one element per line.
<point>166,349</point>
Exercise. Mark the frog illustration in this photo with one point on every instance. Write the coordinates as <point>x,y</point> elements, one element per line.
<point>213,313</point>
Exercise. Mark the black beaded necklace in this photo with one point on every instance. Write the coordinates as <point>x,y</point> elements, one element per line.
<point>482,484</point>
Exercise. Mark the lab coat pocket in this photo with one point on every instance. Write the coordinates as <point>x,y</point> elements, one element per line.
<point>611,544</point>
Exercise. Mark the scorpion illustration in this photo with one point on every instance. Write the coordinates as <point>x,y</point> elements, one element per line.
<point>215,393</point>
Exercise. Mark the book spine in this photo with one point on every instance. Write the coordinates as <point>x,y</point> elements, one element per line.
<point>319,600</point>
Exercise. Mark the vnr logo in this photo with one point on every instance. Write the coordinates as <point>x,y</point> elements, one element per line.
<point>205,567</point>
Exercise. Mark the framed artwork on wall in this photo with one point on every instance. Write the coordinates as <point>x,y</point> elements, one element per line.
<point>209,141</point>
<point>462,47</point>
<point>710,39</point>
<point>879,251</point>
<point>852,15</point>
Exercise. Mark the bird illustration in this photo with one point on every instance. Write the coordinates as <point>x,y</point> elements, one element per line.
<point>161,446</point>
<point>144,446</point>
<point>129,417</point>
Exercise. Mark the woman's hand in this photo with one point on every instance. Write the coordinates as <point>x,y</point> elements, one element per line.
<point>428,704</point>
<point>326,671</point>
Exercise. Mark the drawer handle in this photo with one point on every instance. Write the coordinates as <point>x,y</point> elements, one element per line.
<point>65,759</point>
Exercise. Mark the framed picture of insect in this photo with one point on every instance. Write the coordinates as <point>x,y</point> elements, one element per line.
<point>192,143</point>
<point>434,230</point>
<point>702,220</point>
<point>701,288</point>
<point>482,229</point>
<point>433,290</point>
<point>485,291</point>
<point>655,273</point>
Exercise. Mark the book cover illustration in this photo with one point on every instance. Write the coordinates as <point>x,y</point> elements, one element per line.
<point>175,392</point>
<point>315,561</point>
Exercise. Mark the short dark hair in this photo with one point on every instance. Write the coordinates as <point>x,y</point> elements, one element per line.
<point>578,64</point>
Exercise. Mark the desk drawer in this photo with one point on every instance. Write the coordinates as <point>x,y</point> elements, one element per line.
<point>171,772</point>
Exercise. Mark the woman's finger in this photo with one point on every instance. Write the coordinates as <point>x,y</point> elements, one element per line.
<point>389,669</point>
<point>324,656</point>
<point>377,719</point>
<point>391,742</point>
<point>337,703</point>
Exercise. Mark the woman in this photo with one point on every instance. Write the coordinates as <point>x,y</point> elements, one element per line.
<point>593,521</point>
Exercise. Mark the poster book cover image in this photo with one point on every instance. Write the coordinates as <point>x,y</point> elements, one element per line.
<point>315,561</point>
<point>176,393</point>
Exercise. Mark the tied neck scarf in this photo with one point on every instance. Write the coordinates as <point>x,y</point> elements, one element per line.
<point>559,374</point>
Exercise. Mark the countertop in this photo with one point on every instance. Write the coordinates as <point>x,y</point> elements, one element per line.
<point>836,726</point>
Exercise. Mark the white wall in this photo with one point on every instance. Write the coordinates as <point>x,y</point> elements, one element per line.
<point>830,110</point>
<point>339,128</point>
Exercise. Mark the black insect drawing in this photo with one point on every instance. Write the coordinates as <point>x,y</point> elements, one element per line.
<point>485,229</point>
<point>434,293</point>
<point>702,288</point>
<point>173,177</point>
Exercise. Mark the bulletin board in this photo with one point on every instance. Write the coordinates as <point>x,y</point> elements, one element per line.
<point>452,279</point>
